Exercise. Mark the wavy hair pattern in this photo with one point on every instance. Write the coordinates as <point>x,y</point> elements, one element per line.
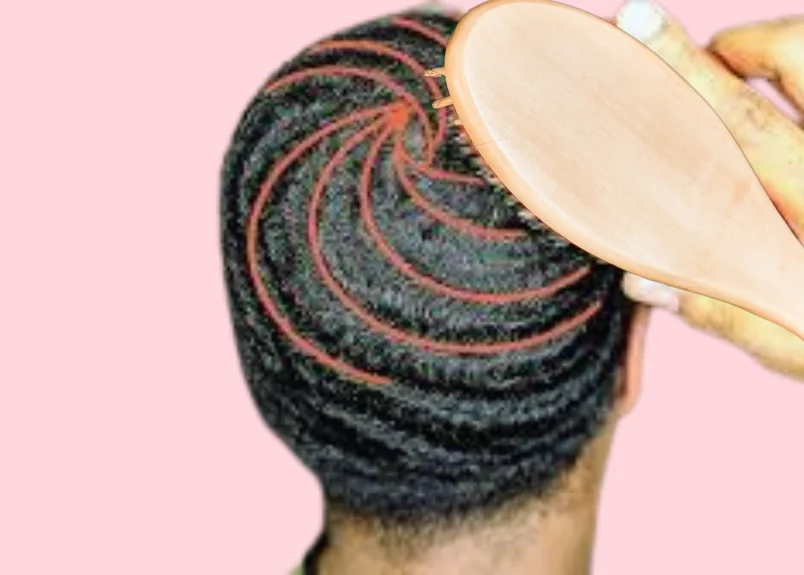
<point>422,348</point>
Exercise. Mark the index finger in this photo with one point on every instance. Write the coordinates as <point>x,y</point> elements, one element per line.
<point>773,50</point>
<point>772,143</point>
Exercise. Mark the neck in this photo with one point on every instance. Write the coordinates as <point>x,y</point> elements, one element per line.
<point>555,542</point>
<point>554,537</point>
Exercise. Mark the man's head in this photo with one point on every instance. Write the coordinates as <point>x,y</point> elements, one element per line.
<point>431,357</point>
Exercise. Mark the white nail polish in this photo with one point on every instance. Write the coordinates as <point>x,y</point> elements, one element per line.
<point>642,19</point>
<point>652,293</point>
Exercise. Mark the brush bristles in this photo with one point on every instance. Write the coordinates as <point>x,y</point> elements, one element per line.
<point>481,168</point>
<point>484,171</point>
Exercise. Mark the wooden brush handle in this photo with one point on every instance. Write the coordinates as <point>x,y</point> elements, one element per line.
<point>780,297</point>
<point>787,309</point>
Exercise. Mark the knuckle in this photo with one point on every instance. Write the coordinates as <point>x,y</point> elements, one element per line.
<point>748,115</point>
<point>695,311</point>
<point>786,49</point>
<point>721,40</point>
<point>723,320</point>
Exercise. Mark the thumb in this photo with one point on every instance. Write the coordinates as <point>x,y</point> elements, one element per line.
<point>705,313</point>
<point>774,347</point>
<point>768,138</point>
<point>663,34</point>
<point>742,110</point>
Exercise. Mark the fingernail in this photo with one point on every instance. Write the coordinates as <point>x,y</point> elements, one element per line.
<point>652,293</point>
<point>642,19</point>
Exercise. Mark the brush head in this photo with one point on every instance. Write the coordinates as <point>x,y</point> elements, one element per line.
<point>607,145</point>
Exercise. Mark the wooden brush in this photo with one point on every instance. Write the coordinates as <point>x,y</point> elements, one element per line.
<point>607,145</point>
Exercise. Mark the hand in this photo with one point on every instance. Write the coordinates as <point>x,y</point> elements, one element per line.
<point>772,143</point>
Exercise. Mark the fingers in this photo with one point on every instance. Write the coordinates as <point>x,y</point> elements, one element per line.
<point>770,50</point>
<point>772,143</point>
<point>700,311</point>
<point>773,346</point>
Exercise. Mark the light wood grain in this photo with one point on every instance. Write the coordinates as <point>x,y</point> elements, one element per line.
<point>611,148</point>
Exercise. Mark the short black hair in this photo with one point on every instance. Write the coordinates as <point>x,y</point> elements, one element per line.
<point>421,348</point>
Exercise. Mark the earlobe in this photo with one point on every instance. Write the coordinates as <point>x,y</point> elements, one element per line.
<point>630,384</point>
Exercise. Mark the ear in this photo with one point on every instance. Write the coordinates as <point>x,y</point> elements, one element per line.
<point>630,384</point>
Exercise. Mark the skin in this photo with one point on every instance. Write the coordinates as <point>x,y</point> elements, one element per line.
<point>772,143</point>
<point>557,536</point>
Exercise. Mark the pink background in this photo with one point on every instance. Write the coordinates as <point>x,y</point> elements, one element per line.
<point>129,443</point>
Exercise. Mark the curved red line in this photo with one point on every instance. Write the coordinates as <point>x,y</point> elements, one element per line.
<point>389,331</point>
<point>413,64</point>
<point>421,29</point>
<point>430,283</point>
<point>465,226</point>
<point>251,250</point>
<point>437,174</point>
<point>380,77</point>
<point>410,62</point>
<point>394,124</point>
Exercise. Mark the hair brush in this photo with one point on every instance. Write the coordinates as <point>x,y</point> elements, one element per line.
<point>608,146</point>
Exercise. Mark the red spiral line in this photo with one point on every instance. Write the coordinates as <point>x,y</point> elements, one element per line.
<point>420,200</point>
<point>389,122</point>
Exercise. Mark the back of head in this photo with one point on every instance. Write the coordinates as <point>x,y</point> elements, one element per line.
<point>421,348</point>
